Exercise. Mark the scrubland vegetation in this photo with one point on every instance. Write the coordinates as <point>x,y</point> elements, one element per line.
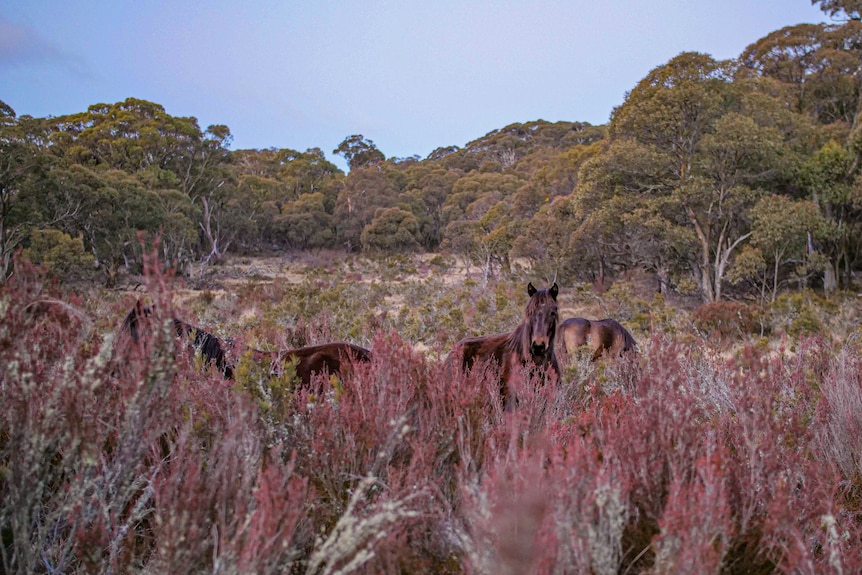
<point>718,216</point>
<point>715,450</point>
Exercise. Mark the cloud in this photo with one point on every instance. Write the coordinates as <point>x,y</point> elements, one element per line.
<point>22,46</point>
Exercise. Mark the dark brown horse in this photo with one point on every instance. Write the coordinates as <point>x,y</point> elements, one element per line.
<point>521,353</point>
<point>603,336</point>
<point>211,348</point>
<point>329,358</point>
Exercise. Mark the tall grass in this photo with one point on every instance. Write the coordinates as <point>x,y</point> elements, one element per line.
<point>124,457</point>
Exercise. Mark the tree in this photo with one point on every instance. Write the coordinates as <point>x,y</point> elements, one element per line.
<point>425,197</point>
<point>202,167</point>
<point>826,176</point>
<point>17,159</point>
<point>310,172</point>
<point>140,138</point>
<point>485,241</point>
<point>849,9</point>
<point>366,189</point>
<point>60,254</point>
<point>546,241</point>
<point>709,160</point>
<point>130,135</point>
<point>305,224</point>
<point>473,194</point>
<point>116,207</point>
<point>782,229</point>
<point>359,152</point>
<point>817,61</point>
<point>391,230</point>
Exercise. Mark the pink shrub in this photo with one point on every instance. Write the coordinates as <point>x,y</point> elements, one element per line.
<point>696,527</point>
<point>120,456</point>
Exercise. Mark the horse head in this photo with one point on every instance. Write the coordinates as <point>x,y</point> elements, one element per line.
<point>540,320</point>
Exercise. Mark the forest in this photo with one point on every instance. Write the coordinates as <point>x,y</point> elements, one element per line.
<point>717,216</point>
<point>735,178</point>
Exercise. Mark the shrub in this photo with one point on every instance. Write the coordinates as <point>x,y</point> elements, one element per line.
<point>726,320</point>
<point>61,255</point>
<point>125,456</point>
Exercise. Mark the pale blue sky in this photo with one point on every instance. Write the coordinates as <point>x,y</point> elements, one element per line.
<point>410,76</point>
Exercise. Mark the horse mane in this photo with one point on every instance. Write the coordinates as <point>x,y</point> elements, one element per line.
<point>518,341</point>
<point>133,318</point>
<point>211,348</point>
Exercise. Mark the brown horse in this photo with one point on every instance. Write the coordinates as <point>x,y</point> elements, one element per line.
<point>328,358</point>
<point>331,358</point>
<point>604,336</point>
<point>527,350</point>
<point>211,348</point>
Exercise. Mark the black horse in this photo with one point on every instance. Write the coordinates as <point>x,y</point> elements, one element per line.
<point>211,348</point>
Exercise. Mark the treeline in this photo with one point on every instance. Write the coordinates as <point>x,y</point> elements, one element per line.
<point>712,175</point>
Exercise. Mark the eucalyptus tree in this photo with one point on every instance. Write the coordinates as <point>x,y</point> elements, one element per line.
<point>782,232</point>
<point>480,223</point>
<point>364,191</point>
<point>428,186</point>
<point>165,151</point>
<point>547,240</point>
<point>820,64</point>
<point>689,153</point>
<point>305,223</point>
<point>393,230</point>
<point>841,9</point>
<point>358,152</point>
<point>829,181</point>
<point>17,159</point>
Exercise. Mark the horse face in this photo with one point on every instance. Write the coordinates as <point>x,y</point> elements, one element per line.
<point>542,319</point>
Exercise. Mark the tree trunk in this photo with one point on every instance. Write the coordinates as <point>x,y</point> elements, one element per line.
<point>830,279</point>
<point>206,226</point>
<point>775,279</point>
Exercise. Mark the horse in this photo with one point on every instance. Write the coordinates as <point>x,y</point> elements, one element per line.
<point>604,336</point>
<point>528,349</point>
<point>211,348</point>
<point>336,358</point>
<point>333,358</point>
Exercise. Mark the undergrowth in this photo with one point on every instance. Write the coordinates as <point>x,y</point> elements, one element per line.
<point>134,457</point>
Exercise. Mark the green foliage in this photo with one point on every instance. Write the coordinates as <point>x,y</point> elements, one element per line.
<point>60,254</point>
<point>670,187</point>
<point>391,230</point>
<point>272,392</point>
<point>366,191</point>
<point>304,223</point>
<point>359,152</point>
<point>802,313</point>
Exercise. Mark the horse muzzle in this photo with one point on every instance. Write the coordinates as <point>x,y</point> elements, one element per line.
<point>538,348</point>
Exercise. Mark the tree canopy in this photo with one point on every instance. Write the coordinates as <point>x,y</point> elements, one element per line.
<point>711,175</point>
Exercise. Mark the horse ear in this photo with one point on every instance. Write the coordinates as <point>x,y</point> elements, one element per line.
<point>531,291</point>
<point>554,290</point>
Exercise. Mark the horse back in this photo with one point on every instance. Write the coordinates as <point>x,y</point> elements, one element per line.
<point>472,350</point>
<point>332,358</point>
<point>574,333</point>
<point>614,337</point>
